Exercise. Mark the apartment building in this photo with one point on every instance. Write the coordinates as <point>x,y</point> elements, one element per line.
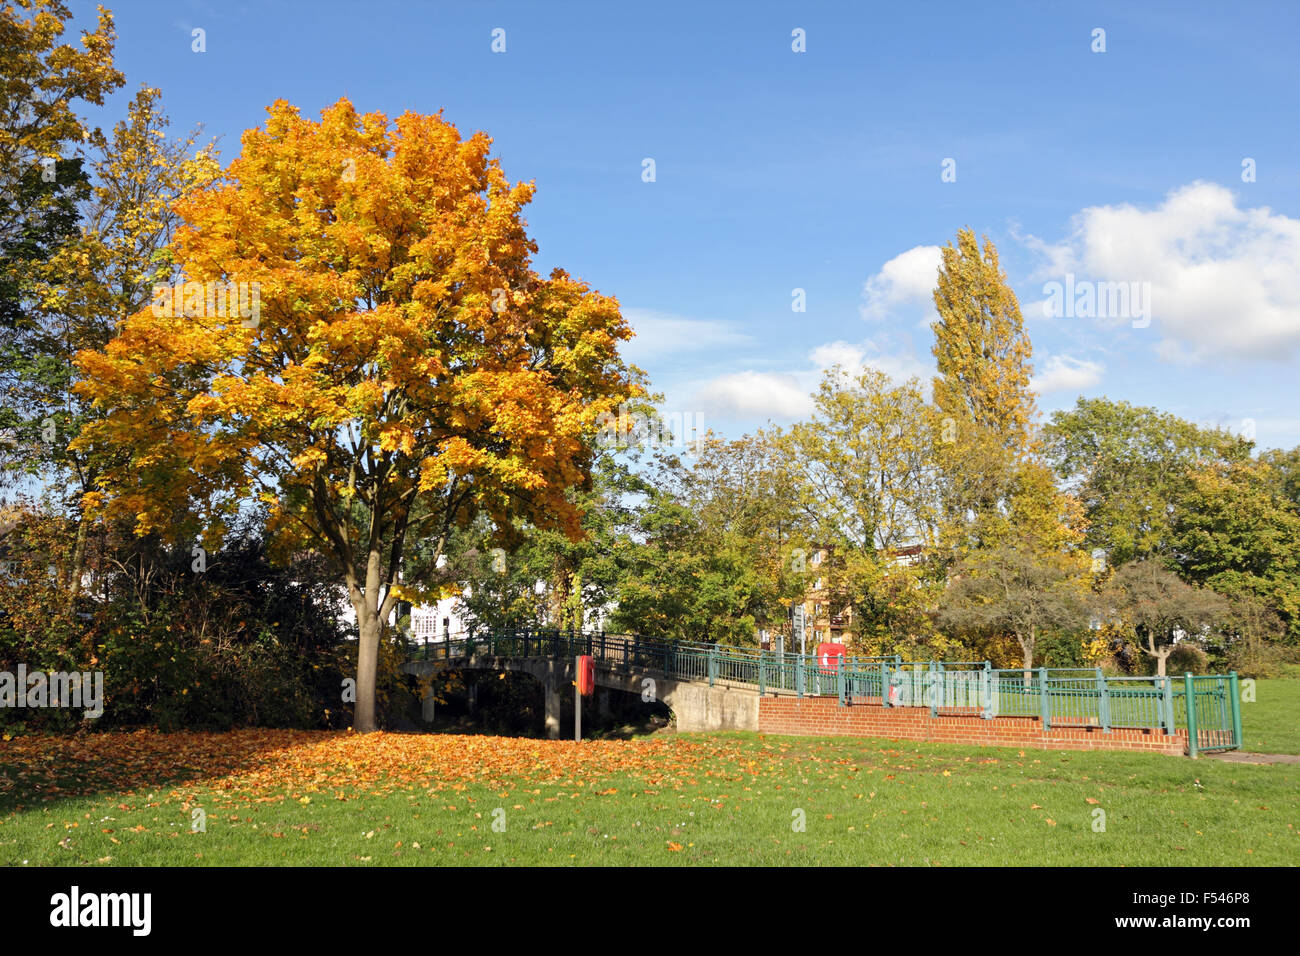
<point>827,622</point>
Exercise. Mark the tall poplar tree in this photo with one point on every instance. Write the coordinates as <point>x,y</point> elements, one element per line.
<point>986,409</point>
<point>980,345</point>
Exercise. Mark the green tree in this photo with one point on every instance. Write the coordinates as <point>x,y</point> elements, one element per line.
<point>579,579</point>
<point>1160,608</point>
<point>1286,470</point>
<point>866,486</point>
<point>43,145</point>
<point>715,544</point>
<point>1018,588</point>
<point>88,289</point>
<point>1235,532</point>
<point>1130,466</point>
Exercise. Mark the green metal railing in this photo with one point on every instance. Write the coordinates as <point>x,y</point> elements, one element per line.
<point>678,659</point>
<point>1058,697</point>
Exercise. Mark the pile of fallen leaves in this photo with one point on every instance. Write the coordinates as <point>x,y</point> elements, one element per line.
<point>272,765</point>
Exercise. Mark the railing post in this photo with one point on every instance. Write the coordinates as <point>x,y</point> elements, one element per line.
<point>884,684</point>
<point>762,674</point>
<point>798,675</point>
<point>986,688</point>
<point>713,663</point>
<point>934,676</point>
<point>845,698</point>
<point>1236,710</point>
<point>1167,705</point>
<point>1103,701</point>
<point>1044,704</point>
<point>1189,696</point>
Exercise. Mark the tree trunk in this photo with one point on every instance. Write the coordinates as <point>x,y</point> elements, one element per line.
<point>562,586</point>
<point>368,624</point>
<point>1027,654</point>
<point>1160,654</point>
<point>78,563</point>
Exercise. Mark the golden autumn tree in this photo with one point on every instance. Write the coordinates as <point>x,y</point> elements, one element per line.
<point>980,347</point>
<point>362,344</point>
<point>1012,539</point>
<point>982,355</point>
<point>43,79</point>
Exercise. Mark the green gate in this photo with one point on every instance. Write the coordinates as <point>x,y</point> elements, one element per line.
<point>1210,708</point>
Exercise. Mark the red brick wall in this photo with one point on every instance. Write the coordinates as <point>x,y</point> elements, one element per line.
<point>823,716</point>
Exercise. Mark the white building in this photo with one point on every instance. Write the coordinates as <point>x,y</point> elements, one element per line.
<point>445,619</point>
<point>429,622</point>
<point>437,622</point>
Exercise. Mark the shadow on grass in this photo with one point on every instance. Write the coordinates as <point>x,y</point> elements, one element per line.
<point>39,769</point>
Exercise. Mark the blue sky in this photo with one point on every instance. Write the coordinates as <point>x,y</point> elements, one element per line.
<point>821,170</point>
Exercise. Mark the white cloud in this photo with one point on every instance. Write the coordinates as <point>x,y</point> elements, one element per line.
<point>899,366</point>
<point>760,394</point>
<point>787,394</point>
<point>1224,279</point>
<point>662,333</point>
<point>906,280</point>
<point>1056,261</point>
<point>851,356</point>
<point>1064,373</point>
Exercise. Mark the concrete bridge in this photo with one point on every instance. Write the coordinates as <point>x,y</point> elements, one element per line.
<point>726,705</point>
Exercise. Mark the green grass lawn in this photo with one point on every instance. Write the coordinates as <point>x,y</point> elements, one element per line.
<point>421,800</point>
<point>1271,723</point>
